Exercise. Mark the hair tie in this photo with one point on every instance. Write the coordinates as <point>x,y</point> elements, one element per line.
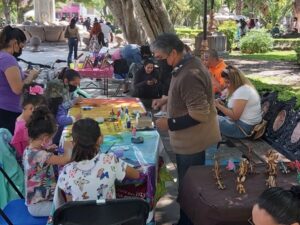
<point>36,90</point>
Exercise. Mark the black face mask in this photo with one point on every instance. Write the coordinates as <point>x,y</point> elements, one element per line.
<point>72,88</point>
<point>164,66</point>
<point>17,54</point>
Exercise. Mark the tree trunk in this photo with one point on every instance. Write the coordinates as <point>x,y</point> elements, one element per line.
<point>44,11</point>
<point>297,12</point>
<point>136,17</point>
<point>239,7</point>
<point>122,10</point>
<point>6,11</point>
<point>153,15</point>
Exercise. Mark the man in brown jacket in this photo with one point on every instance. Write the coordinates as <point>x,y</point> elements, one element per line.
<point>192,118</point>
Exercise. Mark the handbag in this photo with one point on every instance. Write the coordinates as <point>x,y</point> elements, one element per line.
<point>257,131</point>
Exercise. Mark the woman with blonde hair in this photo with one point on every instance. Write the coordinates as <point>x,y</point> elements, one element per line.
<point>243,110</point>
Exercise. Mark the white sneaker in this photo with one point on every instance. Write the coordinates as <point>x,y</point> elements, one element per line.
<point>160,114</point>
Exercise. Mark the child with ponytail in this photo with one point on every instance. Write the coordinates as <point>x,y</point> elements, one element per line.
<point>38,162</point>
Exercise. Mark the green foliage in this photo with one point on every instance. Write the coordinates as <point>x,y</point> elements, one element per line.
<point>184,32</point>
<point>297,50</point>
<point>163,177</point>
<point>284,92</point>
<point>269,56</point>
<point>286,43</point>
<point>277,9</point>
<point>229,28</point>
<point>256,41</point>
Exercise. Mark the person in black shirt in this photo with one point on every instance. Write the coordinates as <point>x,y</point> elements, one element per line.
<point>146,82</point>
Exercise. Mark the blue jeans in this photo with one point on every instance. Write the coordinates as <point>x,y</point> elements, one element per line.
<point>73,46</point>
<point>231,128</point>
<point>183,164</point>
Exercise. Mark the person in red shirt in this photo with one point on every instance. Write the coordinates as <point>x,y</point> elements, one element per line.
<point>215,66</point>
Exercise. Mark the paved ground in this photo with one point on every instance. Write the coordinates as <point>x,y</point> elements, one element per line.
<point>167,209</point>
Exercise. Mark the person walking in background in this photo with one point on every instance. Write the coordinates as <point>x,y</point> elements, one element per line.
<point>191,115</point>
<point>73,37</point>
<point>107,32</point>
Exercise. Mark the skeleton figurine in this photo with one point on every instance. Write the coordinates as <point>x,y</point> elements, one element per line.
<point>240,186</point>
<point>242,172</point>
<point>218,177</point>
<point>271,168</point>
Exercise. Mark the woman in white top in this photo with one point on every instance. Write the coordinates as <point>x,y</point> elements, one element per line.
<point>243,110</point>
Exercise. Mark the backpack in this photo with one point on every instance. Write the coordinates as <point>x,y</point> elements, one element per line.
<point>94,45</point>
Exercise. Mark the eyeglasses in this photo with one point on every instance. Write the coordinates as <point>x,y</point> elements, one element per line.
<point>250,221</point>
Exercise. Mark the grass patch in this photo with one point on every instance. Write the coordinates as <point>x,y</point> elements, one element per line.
<point>269,56</point>
<point>284,92</point>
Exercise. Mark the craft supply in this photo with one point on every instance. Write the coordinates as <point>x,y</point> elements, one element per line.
<point>137,140</point>
<point>86,108</point>
<point>128,124</point>
<point>133,132</point>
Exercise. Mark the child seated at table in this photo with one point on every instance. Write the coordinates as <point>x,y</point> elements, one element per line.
<point>68,81</point>
<point>38,162</point>
<point>59,111</point>
<point>91,175</point>
<point>32,97</point>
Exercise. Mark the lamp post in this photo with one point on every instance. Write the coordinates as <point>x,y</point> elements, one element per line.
<point>204,42</point>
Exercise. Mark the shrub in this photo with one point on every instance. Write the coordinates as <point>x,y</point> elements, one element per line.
<point>297,50</point>
<point>229,28</point>
<point>286,43</point>
<point>187,32</point>
<point>256,41</point>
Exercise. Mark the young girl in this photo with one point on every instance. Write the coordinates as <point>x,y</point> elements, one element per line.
<point>39,176</point>
<point>31,98</point>
<point>71,80</point>
<point>91,175</point>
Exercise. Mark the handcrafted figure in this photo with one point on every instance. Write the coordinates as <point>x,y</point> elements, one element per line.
<point>271,168</point>
<point>242,172</point>
<point>240,186</point>
<point>217,175</point>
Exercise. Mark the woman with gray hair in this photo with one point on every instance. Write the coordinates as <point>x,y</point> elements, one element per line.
<point>191,116</point>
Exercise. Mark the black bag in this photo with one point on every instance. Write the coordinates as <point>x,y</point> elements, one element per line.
<point>121,66</point>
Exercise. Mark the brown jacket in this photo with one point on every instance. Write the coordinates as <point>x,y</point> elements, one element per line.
<point>191,93</point>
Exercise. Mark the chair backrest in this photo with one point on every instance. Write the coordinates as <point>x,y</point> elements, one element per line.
<point>130,211</point>
<point>11,174</point>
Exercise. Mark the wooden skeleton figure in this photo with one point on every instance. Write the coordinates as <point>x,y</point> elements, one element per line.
<point>217,175</point>
<point>272,158</point>
<point>242,172</point>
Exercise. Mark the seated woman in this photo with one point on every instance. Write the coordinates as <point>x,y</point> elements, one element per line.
<point>243,110</point>
<point>146,83</point>
<point>277,206</point>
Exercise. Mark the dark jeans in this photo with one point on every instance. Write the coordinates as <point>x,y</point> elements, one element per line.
<point>8,120</point>
<point>73,45</point>
<point>183,164</point>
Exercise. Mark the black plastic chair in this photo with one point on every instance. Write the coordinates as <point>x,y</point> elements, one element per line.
<point>129,211</point>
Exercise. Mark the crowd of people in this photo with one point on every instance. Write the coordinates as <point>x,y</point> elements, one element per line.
<point>188,92</point>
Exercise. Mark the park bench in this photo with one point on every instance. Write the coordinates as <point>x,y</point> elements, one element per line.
<point>282,133</point>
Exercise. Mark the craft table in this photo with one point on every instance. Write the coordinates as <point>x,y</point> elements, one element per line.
<point>99,74</point>
<point>117,139</point>
<point>205,204</point>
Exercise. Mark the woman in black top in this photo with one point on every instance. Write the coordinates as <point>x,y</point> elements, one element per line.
<point>146,83</point>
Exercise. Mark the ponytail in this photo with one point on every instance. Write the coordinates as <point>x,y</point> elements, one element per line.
<point>41,122</point>
<point>9,33</point>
